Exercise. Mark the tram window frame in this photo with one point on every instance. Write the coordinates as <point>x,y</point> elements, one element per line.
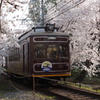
<point>14,55</point>
<point>39,53</point>
<point>43,39</point>
<point>66,53</point>
<point>50,56</point>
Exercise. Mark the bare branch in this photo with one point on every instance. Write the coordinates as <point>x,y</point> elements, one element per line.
<point>71,21</point>
<point>14,5</point>
<point>0,13</point>
<point>1,5</point>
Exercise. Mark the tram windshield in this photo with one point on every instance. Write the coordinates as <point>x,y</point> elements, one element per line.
<point>51,51</point>
<point>40,51</point>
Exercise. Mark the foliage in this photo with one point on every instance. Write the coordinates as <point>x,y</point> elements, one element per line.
<point>78,74</point>
<point>81,76</point>
<point>10,13</point>
<point>80,20</point>
<point>97,73</point>
<point>75,72</point>
<point>50,1</point>
<point>35,9</point>
<point>78,77</point>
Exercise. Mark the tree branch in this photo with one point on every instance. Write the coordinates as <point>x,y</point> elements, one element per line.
<point>0,12</point>
<point>1,5</point>
<point>14,5</point>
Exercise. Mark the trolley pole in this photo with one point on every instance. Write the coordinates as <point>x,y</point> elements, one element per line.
<point>42,12</point>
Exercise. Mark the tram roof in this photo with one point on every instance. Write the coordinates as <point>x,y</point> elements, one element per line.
<point>32,33</point>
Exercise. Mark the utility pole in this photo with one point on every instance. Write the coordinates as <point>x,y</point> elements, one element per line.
<point>42,12</point>
<point>0,13</point>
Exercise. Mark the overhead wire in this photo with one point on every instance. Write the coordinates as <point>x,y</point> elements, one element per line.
<point>70,21</point>
<point>54,5</point>
<point>65,10</point>
<point>59,8</point>
<point>24,11</point>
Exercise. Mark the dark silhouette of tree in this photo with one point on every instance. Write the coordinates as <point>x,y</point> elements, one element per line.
<point>81,76</point>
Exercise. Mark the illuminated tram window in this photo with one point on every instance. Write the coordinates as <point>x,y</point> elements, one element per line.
<point>63,50</point>
<point>52,51</point>
<point>39,51</point>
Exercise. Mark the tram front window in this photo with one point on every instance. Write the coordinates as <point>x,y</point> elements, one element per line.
<point>52,51</point>
<point>39,51</point>
<point>63,50</point>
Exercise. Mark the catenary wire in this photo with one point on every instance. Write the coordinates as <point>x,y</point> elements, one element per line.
<point>62,7</point>
<point>64,10</point>
<point>59,8</point>
<point>54,5</point>
<point>24,11</point>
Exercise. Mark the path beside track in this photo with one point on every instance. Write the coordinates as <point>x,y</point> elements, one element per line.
<point>8,92</point>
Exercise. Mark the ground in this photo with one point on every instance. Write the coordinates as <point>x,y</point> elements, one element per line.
<point>9,90</point>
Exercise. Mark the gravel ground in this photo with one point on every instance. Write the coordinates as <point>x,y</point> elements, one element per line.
<point>17,96</point>
<point>8,92</point>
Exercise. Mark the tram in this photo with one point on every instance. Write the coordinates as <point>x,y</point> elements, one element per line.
<point>43,52</point>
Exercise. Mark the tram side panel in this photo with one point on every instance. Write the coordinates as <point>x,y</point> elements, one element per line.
<point>25,57</point>
<point>18,60</point>
<point>25,63</point>
<point>14,65</point>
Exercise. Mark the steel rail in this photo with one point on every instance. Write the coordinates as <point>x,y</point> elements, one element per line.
<point>67,92</point>
<point>56,95</point>
<point>80,91</point>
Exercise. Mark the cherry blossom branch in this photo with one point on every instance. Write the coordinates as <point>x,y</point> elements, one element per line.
<point>14,5</point>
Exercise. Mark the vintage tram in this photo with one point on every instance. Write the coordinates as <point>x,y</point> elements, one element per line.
<point>43,52</point>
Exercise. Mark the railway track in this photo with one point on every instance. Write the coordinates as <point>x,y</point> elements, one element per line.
<point>66,92</point>
<point>70,93</point>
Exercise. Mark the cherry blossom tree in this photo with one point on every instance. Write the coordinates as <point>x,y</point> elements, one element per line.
<point>11,13</point>
<point>80,19</point>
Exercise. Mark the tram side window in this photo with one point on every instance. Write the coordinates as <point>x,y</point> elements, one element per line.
<point>63,50</point>
<point>39,51</point>
<point>14,55</point>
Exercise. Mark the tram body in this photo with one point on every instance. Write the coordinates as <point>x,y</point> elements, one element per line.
<point>41,54</point>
